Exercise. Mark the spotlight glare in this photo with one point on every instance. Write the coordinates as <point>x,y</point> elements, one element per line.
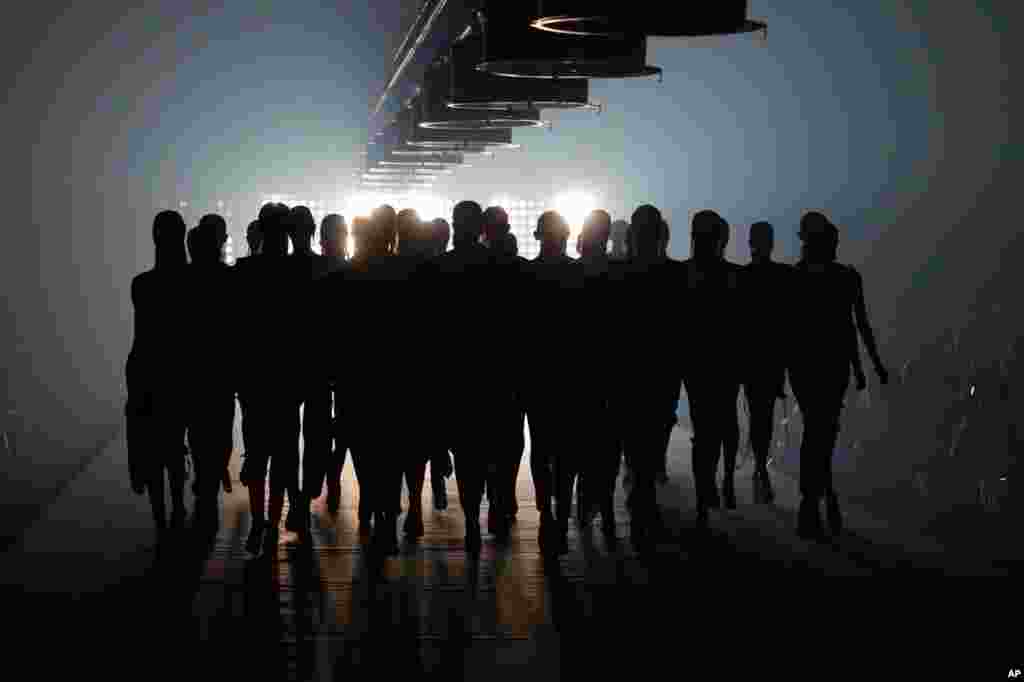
<point>574,207</point>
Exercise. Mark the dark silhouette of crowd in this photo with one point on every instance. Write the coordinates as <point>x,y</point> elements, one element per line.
<point>408,353</point>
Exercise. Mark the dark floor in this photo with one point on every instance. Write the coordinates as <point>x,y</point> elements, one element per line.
<point>87,572</point>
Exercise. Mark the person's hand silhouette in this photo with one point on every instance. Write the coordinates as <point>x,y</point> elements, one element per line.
<point>883,375</point>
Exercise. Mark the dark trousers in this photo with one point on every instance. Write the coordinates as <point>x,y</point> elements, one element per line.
<point>588,463</point>
<point>211,439</point>
<point>508,445</point>
<point>316,437</point>
<point>337,446</point>
<point>250,440</point>
<point>761,396</point>
<point>712,407</point>
<point>155,429</point>
<point>731,427</point>
<point>281,426</point>
<point>547,430</point>
<point>819,392</point>
<point>609,455</point>
<point>643,440</point>
<point>377,450</point>
<point>473,460</point>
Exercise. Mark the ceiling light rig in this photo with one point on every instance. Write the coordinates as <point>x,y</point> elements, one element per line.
<point>603,18</point>
<point>432,110</point>
<point>513,48</point>
<point>473,89</point>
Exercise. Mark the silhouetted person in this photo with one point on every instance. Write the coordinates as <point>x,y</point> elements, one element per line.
<point>247,390</point>
<point>254,238</point>
<point>510,245</point>
<point>334,246</point>
<point>713,304</point>
<point>155,373</point>
<point>652,383</point>
<point>767,288</point>
<point>441,234</point>
<point>420,424</point>
<point>312,398</point>
<point>212,404</point>
<point>509,273</point>
<point>552,399</point>
<point>375,377</point>
<point>360,232</point>
<point>825,349</point>
<point>600,434</point>
<point>334,241</point>
<point>731,423</point>
<point>462,275</point>
<point>441,466</point>
<point>269,315</point>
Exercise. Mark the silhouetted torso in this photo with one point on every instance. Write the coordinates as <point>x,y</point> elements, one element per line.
<point>825,334</point>
<point>657,318</point>
<point>212,287</point>
<point>267,321</point>
<point>555,289</point>
<point>768,298</point>
<point>157,355</point>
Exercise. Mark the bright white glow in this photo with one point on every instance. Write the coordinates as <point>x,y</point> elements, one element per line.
<point>574,207</point>
<point>361,205</point>
<point>972,390</point>
<point>428,206</point>
<point>505,202</point>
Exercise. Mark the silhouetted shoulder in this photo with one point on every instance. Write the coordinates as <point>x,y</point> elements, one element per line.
<point>139,284</point>
<point>462,260</point>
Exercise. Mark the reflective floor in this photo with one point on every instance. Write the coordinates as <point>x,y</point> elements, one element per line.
<point>202,606</point>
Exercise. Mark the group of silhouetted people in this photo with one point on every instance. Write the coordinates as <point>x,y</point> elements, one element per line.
<point>409,353</point>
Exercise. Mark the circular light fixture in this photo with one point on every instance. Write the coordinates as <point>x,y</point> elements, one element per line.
<point>433,112</point>
<point>512,48</point>
<point>477,90</point>
<point>604,18</point>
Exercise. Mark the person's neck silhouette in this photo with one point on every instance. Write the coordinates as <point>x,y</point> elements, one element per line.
<point>762,241</point>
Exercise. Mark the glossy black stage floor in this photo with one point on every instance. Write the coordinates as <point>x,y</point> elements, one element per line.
<point>87,572</point>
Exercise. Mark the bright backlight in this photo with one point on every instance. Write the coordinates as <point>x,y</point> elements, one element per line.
<point>574,207</point>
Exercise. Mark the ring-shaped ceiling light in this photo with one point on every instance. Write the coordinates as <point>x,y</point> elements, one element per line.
<point>686,19</point>
<point>433,112</point>
<point>459,140</point>
<point>477,90</point>
<point>513,48</point>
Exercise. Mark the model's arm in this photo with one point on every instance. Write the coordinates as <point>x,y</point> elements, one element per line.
<point>864,327</point>
<point>855,361</point>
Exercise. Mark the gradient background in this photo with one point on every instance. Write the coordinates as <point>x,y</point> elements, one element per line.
<point>893,117</point>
